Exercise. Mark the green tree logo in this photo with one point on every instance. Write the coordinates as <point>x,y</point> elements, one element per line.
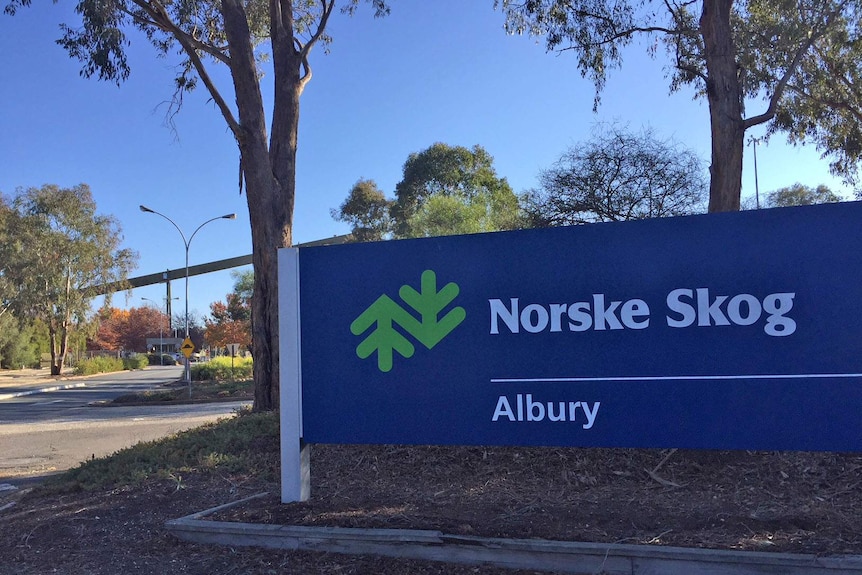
<point>385,313</point>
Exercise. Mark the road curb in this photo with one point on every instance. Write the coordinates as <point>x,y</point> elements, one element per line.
<point>109,403</point>
<point>534,554</point>
<point>34,391</point>
<point>49,386</point>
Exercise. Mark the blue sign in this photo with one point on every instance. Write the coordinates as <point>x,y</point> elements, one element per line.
<point>726,331</point>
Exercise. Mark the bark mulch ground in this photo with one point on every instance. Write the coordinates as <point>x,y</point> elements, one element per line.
<point>782,502</point>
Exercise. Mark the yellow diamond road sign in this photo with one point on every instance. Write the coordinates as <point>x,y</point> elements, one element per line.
<point>187,348</point>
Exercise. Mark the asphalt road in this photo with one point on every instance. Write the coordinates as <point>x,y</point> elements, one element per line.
<point>74,404</point>
<point>48,432</point>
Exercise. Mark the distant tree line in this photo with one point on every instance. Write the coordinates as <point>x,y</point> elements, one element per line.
<point>54,249</point>
<point>616,175</point>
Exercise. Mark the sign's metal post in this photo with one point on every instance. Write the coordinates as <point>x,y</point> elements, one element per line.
<point>295,458</point>
<point>234,348</point>
<point>187,348</point>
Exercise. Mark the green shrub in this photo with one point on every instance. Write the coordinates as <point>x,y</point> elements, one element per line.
<point>17,344</point>
<point>137,361</point>
<point>165,359</point>
<point>219,369</point>
<point>108,364</point>
<point>98,365</point>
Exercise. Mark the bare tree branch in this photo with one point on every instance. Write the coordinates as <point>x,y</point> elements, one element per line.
<point>829,103</point>
<point>304,50</point>
<point>629,32</point>
<point>836,72</point>
<point>813,35</point>
<point>781,86</point>
<point>160,16</point>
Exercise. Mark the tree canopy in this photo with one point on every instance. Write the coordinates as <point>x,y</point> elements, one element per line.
<point>618,175</point>
<point>230,322</point>
<point>6,252</point>
<point>444,215</point>
<point>367,210</point>
<point>128,330</point>
<point>793,66</point>
<point>444,190</point>
<point>799,195</point>
<point>464,174</point>
<point>58,249</point>
<point>20,342</point>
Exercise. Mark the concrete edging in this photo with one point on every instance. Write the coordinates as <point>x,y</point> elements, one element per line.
<point>536,554</point>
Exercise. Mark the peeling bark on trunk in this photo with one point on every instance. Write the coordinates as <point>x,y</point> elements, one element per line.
<point>724,95</point>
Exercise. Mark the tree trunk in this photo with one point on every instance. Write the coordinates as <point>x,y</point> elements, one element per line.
<point>275,212</point>
<point>724,95</point>
<point>264,193</point>
<point>55,367</point>
<point>58,356</point>
<point>269,170</point>
<point>270,204</point>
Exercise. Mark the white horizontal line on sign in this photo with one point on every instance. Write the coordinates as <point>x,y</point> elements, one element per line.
<point>675,378</point>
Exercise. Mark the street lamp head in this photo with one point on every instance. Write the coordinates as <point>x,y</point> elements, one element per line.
<point>229,217</point>
<point>146,209</point>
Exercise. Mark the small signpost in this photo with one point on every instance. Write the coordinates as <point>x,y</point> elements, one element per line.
<point>187,348</point>
<point>234,348</point>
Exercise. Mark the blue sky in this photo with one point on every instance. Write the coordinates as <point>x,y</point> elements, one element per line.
<point>441,71</point>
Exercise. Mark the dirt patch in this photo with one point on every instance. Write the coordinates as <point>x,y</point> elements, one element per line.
<point>121,531</point>
<point>797,502</point>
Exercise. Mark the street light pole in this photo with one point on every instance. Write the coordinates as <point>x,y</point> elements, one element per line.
<point>187,243</point>
<point>755,141</point>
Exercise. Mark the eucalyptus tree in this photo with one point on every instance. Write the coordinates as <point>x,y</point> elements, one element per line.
<point>464,175</point>
<point>367,210</point>
<point>6,215</point>
<point>618,175</point>
<point>19,337</point>
<point>446,215</point>
<point>246,36</point>
<point>796,195</point>
<point>60,248</point>
<point>444,190</point>
<point>794,66</point>
<point>17,345</point>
